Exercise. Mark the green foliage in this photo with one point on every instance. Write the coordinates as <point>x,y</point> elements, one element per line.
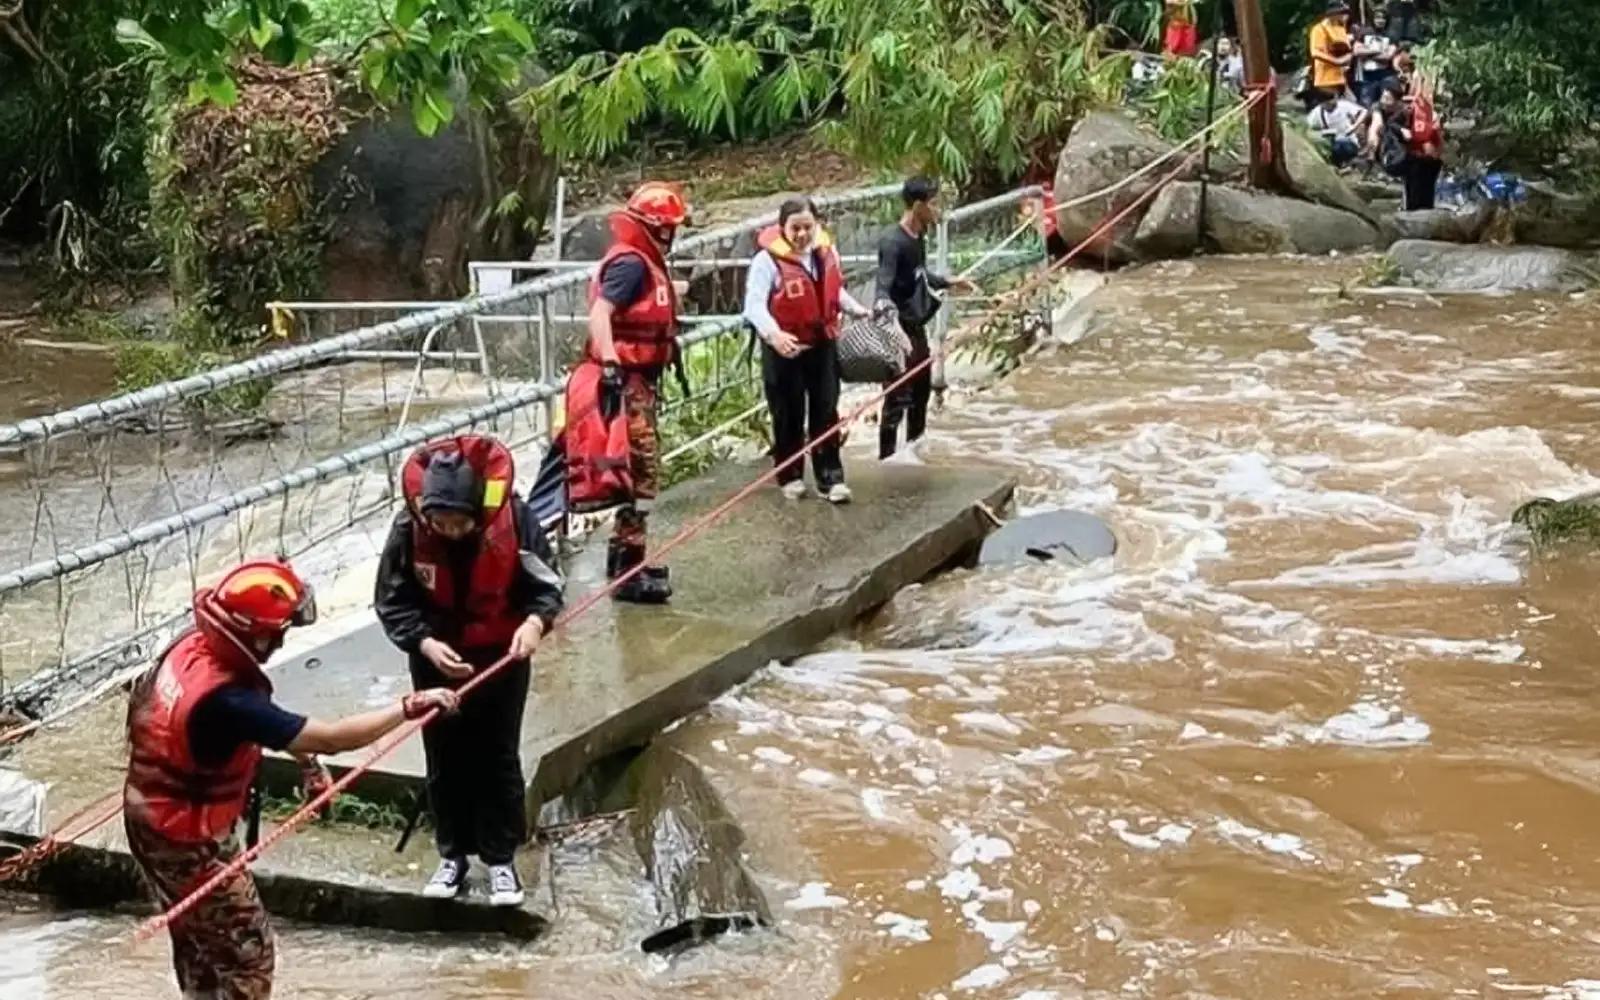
<point>347,809</point>
<point>708,408</point>
<point>966,88</point>
<point>1521,80</point>
<point>1175,104</point>
<point>1550,523</point>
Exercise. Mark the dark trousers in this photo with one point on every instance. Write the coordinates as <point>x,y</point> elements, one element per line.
<point>803,396</point>
<point>910,401</point>
<point>1422,181</point>
<point>474,759</point>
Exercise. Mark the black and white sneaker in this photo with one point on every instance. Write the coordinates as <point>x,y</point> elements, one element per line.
<point>505,889</point>
<point>448,881</point>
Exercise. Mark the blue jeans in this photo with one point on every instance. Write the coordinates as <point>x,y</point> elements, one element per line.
<point>1343,149</point>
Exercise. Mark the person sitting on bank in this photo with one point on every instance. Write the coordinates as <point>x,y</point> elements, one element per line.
<point>793,297</point>
<point>197,723</point>
<point>905,287</point>
<point>467,578</point>
<point>1341,123</point>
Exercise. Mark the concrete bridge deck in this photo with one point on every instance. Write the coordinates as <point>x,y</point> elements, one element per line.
<point>767,582</point>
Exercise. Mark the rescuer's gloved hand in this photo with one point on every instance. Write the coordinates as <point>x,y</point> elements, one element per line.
<point>611,385</point>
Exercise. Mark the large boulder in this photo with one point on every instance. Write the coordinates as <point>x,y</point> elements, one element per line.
<point>1314,177</point>
<point>1247,222</point>
<point>410,210</point>
<point>1451,267</point>
<point>1551,218</point>
<point>1441,224</point>
<point>1104,148</point>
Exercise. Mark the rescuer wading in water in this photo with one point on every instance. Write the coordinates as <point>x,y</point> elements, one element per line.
<point>197,723</point>
<point>612,395</point>
<point>793,298</point>
<point>466,579</point>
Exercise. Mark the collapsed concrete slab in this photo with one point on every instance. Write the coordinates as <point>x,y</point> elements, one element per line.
<point>766,583</point>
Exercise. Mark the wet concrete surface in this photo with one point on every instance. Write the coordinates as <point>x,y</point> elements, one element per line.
<point>768,582</point>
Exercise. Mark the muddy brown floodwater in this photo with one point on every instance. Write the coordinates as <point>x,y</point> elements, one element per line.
<point>1321,729</point>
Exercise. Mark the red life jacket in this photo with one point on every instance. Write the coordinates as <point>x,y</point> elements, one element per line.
<point>802,305</point>
<point>1052,224</point>
<point>645,333</point>
<point>487,619</point>
<point>599,466</point>
<point>166,789</point>
<point>1426,136</point>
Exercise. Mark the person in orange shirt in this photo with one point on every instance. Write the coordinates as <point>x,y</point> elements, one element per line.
<point>1331,53</point>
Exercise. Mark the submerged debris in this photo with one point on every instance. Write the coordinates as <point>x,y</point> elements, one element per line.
<point>1555,522</point>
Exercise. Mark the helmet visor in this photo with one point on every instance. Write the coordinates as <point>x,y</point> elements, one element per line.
<point>306,612</point>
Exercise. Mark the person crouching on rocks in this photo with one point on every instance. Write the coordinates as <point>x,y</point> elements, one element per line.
<point>466,579</point>
<point>197,723</point>
<point>793,298</point>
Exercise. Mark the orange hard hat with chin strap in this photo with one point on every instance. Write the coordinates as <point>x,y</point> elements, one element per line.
<point>254,604</point>
<point>659,204</point>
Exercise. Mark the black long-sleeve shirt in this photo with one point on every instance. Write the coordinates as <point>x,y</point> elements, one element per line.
<point>902,266</point>
<point>409,615</point>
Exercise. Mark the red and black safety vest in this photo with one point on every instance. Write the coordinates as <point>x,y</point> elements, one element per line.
<point>599,463</point>
<point>645,332</point>
<point>801,305</point>
<point>166,789</point>
<point>487,619</point>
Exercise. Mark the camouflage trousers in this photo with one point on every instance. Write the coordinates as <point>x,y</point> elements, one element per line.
<point>222,949</point>
<point>640,401</point>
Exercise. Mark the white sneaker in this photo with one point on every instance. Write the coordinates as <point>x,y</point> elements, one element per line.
<point>838,493</point>
<point>448,881</point>
<point>505,889</point>
<point>794,489</point>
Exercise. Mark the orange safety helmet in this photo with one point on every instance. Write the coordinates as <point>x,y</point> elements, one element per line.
<point>254,604</point>
<point>658,204</point>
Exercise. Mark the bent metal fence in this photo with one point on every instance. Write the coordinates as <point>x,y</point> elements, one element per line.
<point>136,499</point>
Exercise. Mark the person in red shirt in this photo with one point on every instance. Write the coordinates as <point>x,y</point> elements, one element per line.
<point>197,723</point>
<point>1182,37</point>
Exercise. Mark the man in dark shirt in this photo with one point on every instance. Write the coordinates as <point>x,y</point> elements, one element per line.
<point>906,284</point>
<point>457,594</point>
<point>196,726</point>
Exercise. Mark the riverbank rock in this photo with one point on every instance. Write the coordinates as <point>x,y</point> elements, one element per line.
<point>407,211</point>
<point>1104,148</point>
<point>1551,218</point>
<point>1247,222</point>
<point>1451,267</point>
<point>1316,180</point>
<point>1441,225</point>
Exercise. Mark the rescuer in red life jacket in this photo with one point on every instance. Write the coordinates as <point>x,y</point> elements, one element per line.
<point>465,579</point>
<point>793,297</point>
<point>197,723</point>
<point>612,454</point>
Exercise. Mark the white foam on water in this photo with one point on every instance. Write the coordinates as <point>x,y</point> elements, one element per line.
<point>988,722</point>
<point>1329,341</point>
<point>977,848</point>
<point>962,883</point>
<point>1286,844</point>
<point>1368,724</point>
<point>1000,934</point>
<point>1047,754</point>
<point>772,755</point>
<point>902,927</point>
<point>815,896</point>
<point>1168,834</point>
<point>983,976</point>
<point>816,776</point>
<point>1391,899</point>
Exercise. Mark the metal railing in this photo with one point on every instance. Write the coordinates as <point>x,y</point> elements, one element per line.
<point>82,610</point>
